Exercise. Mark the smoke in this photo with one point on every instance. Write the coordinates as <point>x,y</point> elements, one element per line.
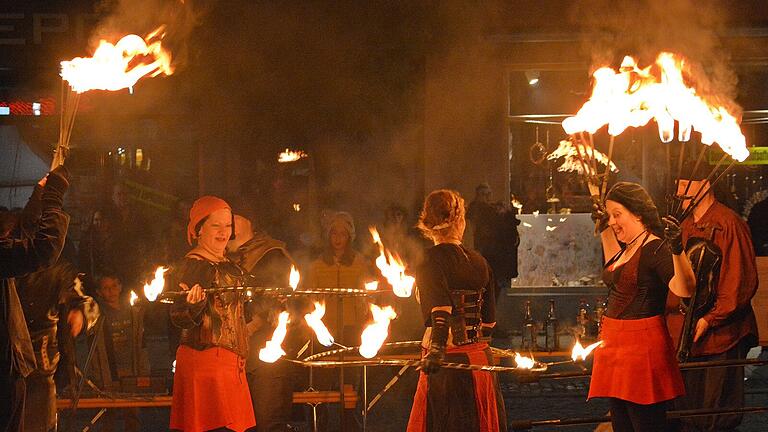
<point>643,28</point>
<point>178,17</point>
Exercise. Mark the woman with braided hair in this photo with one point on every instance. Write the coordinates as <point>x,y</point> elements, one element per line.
<point>635,367</point>
<point>458,301</point>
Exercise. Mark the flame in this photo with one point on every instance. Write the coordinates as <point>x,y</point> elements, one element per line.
<point>296,207</point>
<point>392,268</point>
<point>522,362</point>
<point>571,163</point>
<point>376,333</point>
<point>154,288</point>
<point>134,298</point>
<point>631,97</point>
<point>372,285</point>
<point>581,353</point>
<point>119,66</point>
<point>291,156</point>
<point>273,350</point>
<point>294,278</point>
<point>315,322</point>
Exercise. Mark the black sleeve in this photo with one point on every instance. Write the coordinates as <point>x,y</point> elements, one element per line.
<point>661,261</point>
<point>190,272</point>
<point>433,285</point>
<point>488,310</point>
<point>19,257</point>
<point>30,216</point>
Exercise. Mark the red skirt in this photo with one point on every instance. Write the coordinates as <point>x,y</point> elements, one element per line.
<point>210,391</point>
<point>474,402</point>
<point>636,362</point>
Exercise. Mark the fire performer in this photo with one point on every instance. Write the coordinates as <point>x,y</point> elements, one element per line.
<point>19,257</point>
<point>268,264</point>
<point>458,303</point>
<point>728,329</point>
<point>210,390</point>
<point>636,367</point>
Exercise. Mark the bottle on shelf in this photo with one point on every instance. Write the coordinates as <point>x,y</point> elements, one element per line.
<point>550,339</point>
<point>528,340</point>
<point>582,319</point>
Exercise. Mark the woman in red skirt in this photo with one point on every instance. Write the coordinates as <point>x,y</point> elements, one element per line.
<point>635,367</point>
<point>458,302</point>
<point>210,390</point>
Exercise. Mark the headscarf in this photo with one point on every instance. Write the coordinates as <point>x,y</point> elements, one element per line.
<point>201,209</point>
<point>636,199</point>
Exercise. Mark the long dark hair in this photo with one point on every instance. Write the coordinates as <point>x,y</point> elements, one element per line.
<point>637,200</point>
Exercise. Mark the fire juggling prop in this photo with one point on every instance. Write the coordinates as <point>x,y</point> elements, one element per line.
<point>112,67</point>
<point>274,349</point>
<point>315,322</point>
<point>288,155</point>
<point>579,353</point>
<point>294,278</point>
<point>392,268</point>
<point>632,97</point>
<point>376,333</point>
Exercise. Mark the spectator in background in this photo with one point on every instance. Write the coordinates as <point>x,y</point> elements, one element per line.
<point>495,234</point>
<point>340,266</point>
<point>120,351</point>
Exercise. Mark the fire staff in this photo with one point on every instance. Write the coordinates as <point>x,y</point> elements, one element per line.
<point>457,294</point>
<point>210,389</point>
<point>635,368</point>
<point>726,329</point>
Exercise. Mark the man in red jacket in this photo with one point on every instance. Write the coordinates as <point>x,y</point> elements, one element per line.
<point>729,329</point>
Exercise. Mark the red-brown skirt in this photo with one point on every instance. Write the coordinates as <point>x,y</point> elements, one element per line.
<point>210,391</point>
<point>475,402</point>
<point>636,362</point>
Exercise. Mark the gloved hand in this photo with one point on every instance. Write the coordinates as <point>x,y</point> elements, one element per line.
<point>436,354</point>
<point>56,185</point>
<point>673,234</point>
<point>599,217</point>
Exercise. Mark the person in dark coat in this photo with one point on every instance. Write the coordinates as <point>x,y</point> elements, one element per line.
<point>17,258</point>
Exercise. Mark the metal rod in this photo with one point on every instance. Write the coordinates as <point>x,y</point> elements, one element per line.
<point>697,199</point>
<point>607,168</point>
<point>678,203</point>
<point>521,425</point>
<point>389,385</point>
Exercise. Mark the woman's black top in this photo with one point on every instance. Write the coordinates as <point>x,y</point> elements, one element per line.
<point>449,267</point>
<point>219,320</point>
<point>638,288</point>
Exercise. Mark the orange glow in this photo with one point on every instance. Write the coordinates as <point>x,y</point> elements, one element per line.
<point>273,350</point>
<point>392,268</point>
<point>631,97</point>
<point>119,66</point>
<point>294,278</point>
<point>155,288</point>
<point>581,353</point>
<point>291,156</point>
<point>522,362</point>
<point>315,322</point>
<point>376,333</point>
